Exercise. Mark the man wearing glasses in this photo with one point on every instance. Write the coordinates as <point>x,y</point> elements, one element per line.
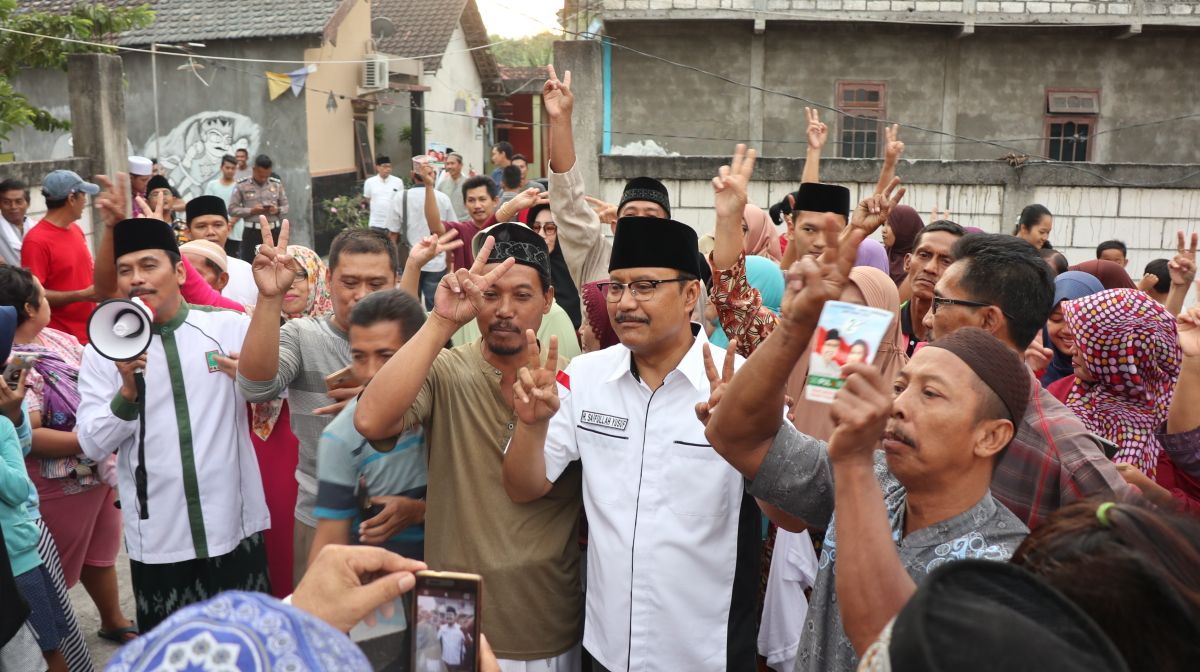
<point>653,492</point>
<point>1000,284</point>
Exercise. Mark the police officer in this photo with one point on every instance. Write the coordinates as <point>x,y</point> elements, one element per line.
<point>260,194</point>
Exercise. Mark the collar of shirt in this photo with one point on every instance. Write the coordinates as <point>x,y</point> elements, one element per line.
<point>951,528</point>
<point>172,324</point>
<point>691,366</point>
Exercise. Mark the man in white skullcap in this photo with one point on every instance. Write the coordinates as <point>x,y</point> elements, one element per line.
<point>140,170</point>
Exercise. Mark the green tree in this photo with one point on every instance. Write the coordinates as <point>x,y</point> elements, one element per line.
<point>89,22</point>
<point>533,50</point>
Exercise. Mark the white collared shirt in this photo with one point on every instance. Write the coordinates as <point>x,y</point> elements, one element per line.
<point>241,286</point>
<point>382,192</point>
<point>204,489</point>
<point>664,514</point>
<point>10,240</point>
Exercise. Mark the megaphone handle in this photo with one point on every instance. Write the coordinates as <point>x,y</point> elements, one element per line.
<point>139,474</point>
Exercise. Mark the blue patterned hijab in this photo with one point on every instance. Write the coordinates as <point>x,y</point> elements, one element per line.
<point>248,632</point>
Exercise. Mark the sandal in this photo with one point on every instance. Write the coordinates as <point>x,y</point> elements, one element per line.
<point>119,635</point>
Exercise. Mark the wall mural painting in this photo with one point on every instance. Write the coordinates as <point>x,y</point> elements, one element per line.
<point>191,152</point>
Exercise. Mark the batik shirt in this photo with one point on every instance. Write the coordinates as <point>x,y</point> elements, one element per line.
<point>797,476</point>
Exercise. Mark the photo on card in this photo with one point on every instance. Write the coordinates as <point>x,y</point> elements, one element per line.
<point>846,334</point>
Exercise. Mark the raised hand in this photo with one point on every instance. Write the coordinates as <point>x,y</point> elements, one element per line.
<point>459,296</point>
<point>428,175</point>
<point>818,132</point>
<point>860,412</point>
<point>1183,267</point>
<point>1189,331</point>
<point>812,282</point>
<point>731,182</point>
<point>111,201</point>
<point>535,392</point>
<point>894,147</point>
<point>526,199</point>
<point>607,212</point>
<point>274,269</point>
<point>428,248</point>
<point>873,211</point>
<point>938,214</point>
<point>716,383</point>
<point>157,212</point>
<point>556,95</point>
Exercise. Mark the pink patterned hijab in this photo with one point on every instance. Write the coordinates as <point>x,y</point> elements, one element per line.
<point>1130,345</point>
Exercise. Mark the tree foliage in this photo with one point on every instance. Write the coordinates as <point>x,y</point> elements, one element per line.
<point>88,22</point>
<point>533,50</point>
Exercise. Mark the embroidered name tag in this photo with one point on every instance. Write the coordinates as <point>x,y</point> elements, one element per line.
<point>601,420</point>
<point>211,358</point>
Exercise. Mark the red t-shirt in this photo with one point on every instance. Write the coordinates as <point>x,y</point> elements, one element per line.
<point>60,258</point>
<point>463,257</point>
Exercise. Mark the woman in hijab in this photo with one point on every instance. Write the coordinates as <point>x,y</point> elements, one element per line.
<point>540,219</point>
<point>872,254</point>
<point>1110,274</point>
<point>597,332</point>
<point>899,234</point>
<point>277,449</point>
<point>760,237</point>
<point>1060,372</point>
<point>1126,360</point>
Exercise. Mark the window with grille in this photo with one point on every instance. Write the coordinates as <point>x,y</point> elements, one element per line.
<point>860,131</point>
<point>1071,117</point>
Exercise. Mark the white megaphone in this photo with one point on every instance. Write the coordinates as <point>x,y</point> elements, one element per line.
<point>119,329</point>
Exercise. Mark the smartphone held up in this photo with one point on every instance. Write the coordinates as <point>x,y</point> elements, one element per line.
<point>446,622</point>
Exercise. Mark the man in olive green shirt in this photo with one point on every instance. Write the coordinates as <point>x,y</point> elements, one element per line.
<point>526,553</point>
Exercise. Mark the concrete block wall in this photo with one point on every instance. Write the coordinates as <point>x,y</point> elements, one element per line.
<point>984,9</point>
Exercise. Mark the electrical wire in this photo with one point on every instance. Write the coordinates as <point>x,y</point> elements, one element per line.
<point>235,59</point>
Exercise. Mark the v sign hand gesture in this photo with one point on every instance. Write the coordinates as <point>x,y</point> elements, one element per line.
<point>557,96</point>
<point>535,393</point>
<point>274,269</point>
<point>818,132</point>
<point>459,296</point>
<point>729,186</point>
<point>716,384</point>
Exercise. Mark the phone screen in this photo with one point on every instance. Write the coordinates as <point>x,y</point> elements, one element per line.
<point>446,624</point>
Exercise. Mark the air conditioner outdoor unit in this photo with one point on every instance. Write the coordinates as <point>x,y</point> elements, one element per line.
<point>375,73</point>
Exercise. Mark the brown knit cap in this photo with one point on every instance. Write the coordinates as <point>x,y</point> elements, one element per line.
<point>996,365</point>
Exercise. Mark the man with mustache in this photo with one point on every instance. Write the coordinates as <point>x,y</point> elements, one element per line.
<point>672,536</point>
<point>890,520</point>
<point>190,488</point>
<point>528,554</point>
<point>925,264</point>
<point>1000,284</point>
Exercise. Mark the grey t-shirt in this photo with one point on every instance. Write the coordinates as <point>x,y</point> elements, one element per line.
<point>797,477</point>
<point>309,349</point>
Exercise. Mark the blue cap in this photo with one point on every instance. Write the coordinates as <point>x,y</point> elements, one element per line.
<point>62,183</point>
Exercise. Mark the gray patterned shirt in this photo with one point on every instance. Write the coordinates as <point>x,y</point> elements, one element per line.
<point>797,477</point>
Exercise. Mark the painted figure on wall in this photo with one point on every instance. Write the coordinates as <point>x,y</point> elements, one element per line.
<point>191,152</point>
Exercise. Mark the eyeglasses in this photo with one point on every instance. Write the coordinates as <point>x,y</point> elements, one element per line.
<point>642,290</point>
<point>939,301</point>
<point>548,227</point>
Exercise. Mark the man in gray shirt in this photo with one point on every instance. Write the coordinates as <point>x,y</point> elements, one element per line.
<point>299,356</point>
<point>943,424</point>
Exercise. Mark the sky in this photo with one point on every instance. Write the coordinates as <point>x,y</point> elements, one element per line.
<point>512,18</point>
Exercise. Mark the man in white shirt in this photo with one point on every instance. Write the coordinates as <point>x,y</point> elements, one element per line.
<point>243,169</point>
<point>450,183</point>
<point>223,187</point>
<point>453,640</point>
<point>191,493</point>
<point>379,191</point>
<point>652,491</point>
<point>420,212</point>
<point>14,203</point>
<point>208,219</point>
